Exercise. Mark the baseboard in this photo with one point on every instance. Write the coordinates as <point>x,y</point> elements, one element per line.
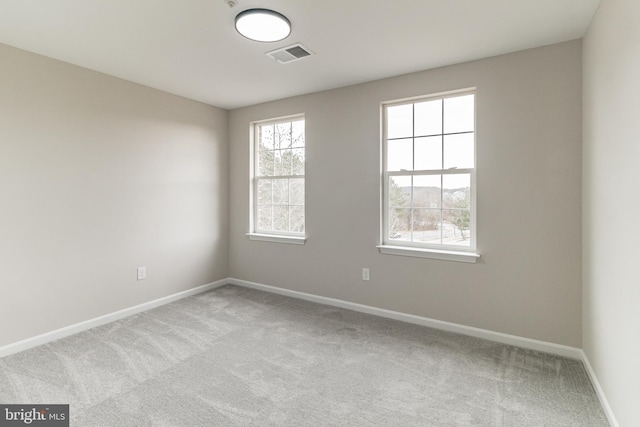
<point>92,323</point>
<point>596,385</point>
<point>542,346</point>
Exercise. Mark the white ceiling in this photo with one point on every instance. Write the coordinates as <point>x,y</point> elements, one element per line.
<point>191,48</point>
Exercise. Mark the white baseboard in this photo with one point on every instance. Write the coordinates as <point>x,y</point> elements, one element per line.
<point>596,385</point>
<point>92,323</point>
<point>557,349</point>
<point>542,346</point>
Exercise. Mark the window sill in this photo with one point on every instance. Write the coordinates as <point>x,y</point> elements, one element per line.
<point>274,238</point>
<point>469,257</point>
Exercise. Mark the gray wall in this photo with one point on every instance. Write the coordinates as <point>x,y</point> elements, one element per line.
<point>97,177</point>
<point>528,280</point>
<point>611,203</point>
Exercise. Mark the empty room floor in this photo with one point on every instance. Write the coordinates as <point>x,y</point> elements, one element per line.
<point>239,357</point>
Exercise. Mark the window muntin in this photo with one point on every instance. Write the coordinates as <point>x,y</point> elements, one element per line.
<point>278,177</point>
<point>429,172</point>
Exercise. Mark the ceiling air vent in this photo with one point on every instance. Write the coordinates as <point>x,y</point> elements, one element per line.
<point>291,53</point>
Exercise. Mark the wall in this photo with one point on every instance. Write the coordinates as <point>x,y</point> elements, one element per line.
<point>611,202</point>
<point>528,280</point>
<point>97,177</point>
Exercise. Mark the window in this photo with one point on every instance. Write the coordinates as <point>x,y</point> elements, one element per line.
<point>278,182</point>
<point>429,173</point>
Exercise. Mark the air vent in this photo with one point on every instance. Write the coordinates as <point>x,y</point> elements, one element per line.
<point>291,53</point>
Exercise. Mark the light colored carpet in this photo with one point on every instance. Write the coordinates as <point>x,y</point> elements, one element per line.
<point>240,357</point>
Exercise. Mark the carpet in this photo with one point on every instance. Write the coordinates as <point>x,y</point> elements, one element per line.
<point>240,357</point>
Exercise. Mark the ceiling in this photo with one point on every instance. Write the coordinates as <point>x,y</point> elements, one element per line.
<point>190,47</point>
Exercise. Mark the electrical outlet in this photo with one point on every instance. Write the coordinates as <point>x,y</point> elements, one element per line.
<point>142,273</point>
<point>365,274</point>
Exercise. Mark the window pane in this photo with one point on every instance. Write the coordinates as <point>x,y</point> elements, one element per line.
<point>297,161</point>
<point>456,191</point>
<point>400,224</point>
<point>400,191</point>
<point>281,218</point>
<point>265,217</point>
<point>400,121</point>
<point>264,192</point>
<point>297,131</point>
<point>278,198</point>
<point>266,138</point>
<point>458,151</point>
<point>429,142</point>
<point>280,191</point>
<point>426,191</point>
<point>296,191</point>
<point>428,118</point>
<point>426,225</point>
<point>428,152</point>
<point>282,162</point>
<point>265,163</point>
<point>287,159</point>
<point>296,218</point>
<point>400,155</point>
<point>459,114</point>
<point>455,229</point>
<point>283,135</point>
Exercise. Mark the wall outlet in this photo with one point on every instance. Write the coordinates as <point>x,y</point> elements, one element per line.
<point>142,273</point>
<point>365,274</point>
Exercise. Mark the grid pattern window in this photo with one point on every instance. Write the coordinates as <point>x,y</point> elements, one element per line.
<point>429,172</point>
<point>279,183</point>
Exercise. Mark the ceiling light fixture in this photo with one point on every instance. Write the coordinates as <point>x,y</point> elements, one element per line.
<point>263,25</point>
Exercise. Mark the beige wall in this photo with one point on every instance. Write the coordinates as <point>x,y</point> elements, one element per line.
<point>97,177</point>
<point>528,280</point>
<point>611,203</point>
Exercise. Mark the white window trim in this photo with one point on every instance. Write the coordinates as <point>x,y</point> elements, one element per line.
<point>410,249</point>
<point>270,236</point>
<point>274,238</point>
<point>420,252</point>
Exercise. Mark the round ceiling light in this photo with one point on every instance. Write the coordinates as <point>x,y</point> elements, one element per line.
<point>263,25</point>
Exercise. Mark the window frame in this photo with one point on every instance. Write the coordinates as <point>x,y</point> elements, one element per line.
<point>427,250</point>
<point>255,233</point>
